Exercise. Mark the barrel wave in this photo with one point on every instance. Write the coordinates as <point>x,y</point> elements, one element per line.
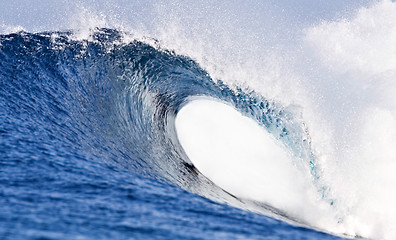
<point>88,131</point>
<point>125,91</point>
<point>197,119</point>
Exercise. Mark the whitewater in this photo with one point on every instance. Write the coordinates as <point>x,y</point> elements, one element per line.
<point>190,120</point>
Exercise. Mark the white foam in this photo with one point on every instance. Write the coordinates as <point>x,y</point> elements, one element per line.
<point>354,109</point>
<point>7,29</point>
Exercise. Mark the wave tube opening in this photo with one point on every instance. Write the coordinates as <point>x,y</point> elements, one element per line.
<point>241,157</point>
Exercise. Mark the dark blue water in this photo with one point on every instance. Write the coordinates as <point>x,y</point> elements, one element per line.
<point>88,148</point>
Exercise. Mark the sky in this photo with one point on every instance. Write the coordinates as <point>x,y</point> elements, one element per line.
<point>44,15</point>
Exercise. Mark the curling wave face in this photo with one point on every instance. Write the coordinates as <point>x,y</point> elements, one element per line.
<point>120,100</point>
<point>323,93</point>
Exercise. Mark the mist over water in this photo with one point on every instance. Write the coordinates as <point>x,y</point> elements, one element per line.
<point>352,89</point>
<point>332,62</point>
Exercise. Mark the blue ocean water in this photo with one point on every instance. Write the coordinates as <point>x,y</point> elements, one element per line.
<point>88,148</point>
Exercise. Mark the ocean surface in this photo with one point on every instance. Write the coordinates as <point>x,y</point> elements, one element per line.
<point>209,122</point>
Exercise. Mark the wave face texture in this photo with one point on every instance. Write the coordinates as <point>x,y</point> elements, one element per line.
<point>89,148</point>
<point>200,120</point>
